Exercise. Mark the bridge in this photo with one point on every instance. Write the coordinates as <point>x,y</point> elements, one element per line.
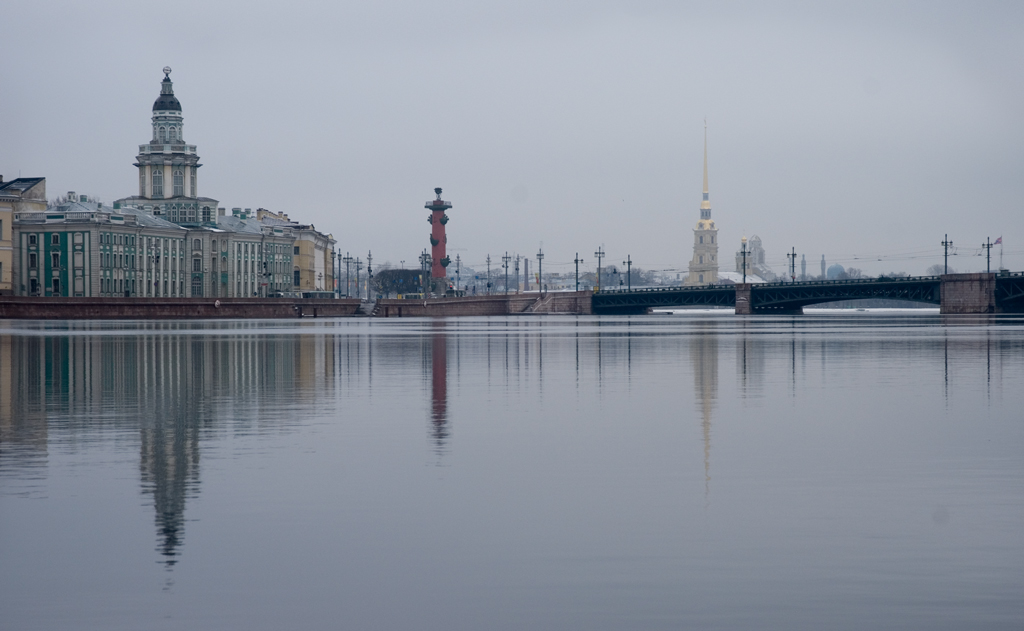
<point>952,293</point>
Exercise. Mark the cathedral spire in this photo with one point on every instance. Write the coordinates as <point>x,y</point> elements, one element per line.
<point>705,204</point>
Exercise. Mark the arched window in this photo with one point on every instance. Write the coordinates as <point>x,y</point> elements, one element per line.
<point>197,244</point>
<point>142,182</point>
<point>192,189</point>
<point>701,278</point>
<point>179,183</point>
<point>158,183</point>
<point>701,260</point>
<point>700,239</point>
<point>163,134</point>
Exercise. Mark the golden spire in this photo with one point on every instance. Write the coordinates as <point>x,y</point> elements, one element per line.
<point>705,205</point>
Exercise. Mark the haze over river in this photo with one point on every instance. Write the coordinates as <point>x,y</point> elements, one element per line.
<point>836,470</point>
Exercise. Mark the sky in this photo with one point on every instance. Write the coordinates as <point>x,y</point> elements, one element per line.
<point>864,132</point>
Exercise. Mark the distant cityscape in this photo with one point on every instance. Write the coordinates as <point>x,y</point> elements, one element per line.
<point>167,241</point>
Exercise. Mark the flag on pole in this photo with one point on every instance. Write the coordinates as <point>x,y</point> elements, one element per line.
<point>999,241</point>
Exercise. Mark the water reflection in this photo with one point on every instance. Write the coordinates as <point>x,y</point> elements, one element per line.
<point>169,382</point>
<point>439,383</point>
<point>173,388</point>
<point>704,358</point>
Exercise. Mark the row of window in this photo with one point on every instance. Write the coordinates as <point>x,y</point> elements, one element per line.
<point>54,239</point>
<point>164,134</point>
<point>33,260</point>
<point>178,183</point>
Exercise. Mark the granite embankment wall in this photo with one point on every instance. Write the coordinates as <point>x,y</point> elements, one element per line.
<point>21,307</point>
<point>574,303</point>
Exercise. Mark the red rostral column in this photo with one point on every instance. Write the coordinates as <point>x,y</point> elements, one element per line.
<point>438,240</point>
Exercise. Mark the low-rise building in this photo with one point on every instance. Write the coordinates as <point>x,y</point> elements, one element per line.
<point>312,253</point>
<point>25,194</point>
<point>83,248</point>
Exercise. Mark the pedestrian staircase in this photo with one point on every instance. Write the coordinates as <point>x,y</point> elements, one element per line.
<point>367,308</point>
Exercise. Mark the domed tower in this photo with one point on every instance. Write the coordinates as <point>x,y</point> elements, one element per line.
<point>704,264</point>
<point>168,167</point>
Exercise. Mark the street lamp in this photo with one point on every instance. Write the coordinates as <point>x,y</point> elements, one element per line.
<point>369,272</point>
<point>599,254</point>
<point>577,261</point>
<point>540,270</point>
<point>359,266</point>
<point>504,263</point>
<point>348,284</point>
<point>743,251</point>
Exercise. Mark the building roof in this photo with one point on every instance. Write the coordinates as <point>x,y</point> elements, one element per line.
<point>19,186</point>
<point>142,218</point>
<point>273,221</point>
<point>237,224</point>
<point>166,100</point>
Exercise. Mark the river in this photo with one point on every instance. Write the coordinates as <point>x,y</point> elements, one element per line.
<point>835,470</point>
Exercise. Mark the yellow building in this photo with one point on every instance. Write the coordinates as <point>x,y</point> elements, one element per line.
<point>22,194</point>
<point>312,253</point>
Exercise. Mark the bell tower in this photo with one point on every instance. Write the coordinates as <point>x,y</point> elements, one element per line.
<point>704,264</point>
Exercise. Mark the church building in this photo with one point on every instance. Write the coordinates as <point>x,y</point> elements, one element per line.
<point>704,264</point>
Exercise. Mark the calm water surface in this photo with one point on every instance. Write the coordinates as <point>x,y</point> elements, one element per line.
<point>658,472</point>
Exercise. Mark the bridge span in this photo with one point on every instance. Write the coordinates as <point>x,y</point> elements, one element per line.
<point>952,293</point>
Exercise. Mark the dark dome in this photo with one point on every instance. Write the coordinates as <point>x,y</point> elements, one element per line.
<point>167,100</point>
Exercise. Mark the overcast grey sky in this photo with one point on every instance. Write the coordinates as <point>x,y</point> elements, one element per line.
<point>861,130</point>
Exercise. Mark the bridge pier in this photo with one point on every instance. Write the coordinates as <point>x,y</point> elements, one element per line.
<point>968,293</point>
<point>743,299</point>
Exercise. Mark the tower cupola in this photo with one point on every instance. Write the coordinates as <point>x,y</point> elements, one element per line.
<point>166,100</point>
<point>168,124</point>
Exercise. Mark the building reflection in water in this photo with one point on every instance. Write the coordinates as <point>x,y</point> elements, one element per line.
<point>704,358</point>
<point>171,382</point>
<point>175,385</point>
<point>439,383</point>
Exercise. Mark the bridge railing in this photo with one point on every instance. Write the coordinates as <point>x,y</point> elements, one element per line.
<point>663,289</point>
<point>852,281</point>
<point>804,283</point>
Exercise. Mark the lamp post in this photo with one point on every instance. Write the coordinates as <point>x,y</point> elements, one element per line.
<point>348,284</point>
<point>488,274</point>
<point>369,272</point>
<point>504,263</point>
<point>792,265</point>
<point>988,254</point>
<point>629,278</point>
<point>945,254</point>
<point>359,266</point>
<point>599,254</point>
<point>517,273</point>
<point>425,264</point>
<point>540,270</point>
<point>743,251</point>
<point>577,261</point>
<point>337,279</point>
